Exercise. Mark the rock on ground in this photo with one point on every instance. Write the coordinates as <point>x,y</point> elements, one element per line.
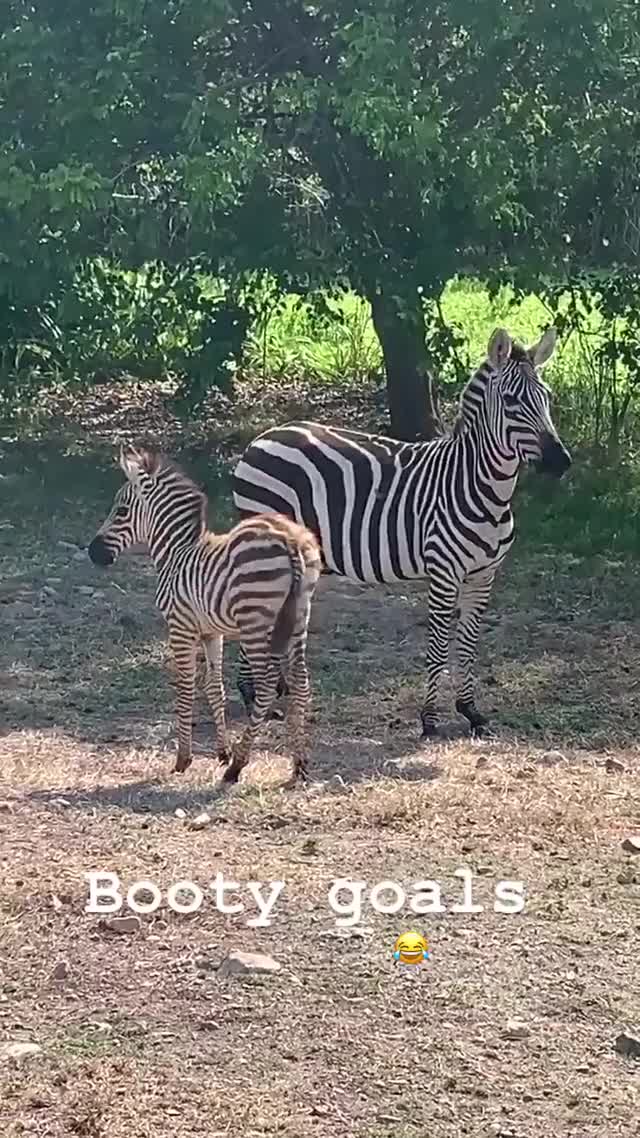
<point>246,963</point>
<point>18,1050</point>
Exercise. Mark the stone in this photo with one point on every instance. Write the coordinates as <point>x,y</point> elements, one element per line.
<point>628,1045</point>
<point>20,610</point>
<point>200,823</point>
<point>180,813</point>
<point>614,766</point>
<point>124,924</point>
<point>631,845</point>
<point>85,590</point>
<point>628,877</point>
<point>206,964</point>
<point>551,758</point>
<point>239,963</point>
<point>6,808</point>
<point>516,1029</point>
<point>18,1051</point>
<point>69,545</point>
<point>81,555</point>
<point>61,970</point>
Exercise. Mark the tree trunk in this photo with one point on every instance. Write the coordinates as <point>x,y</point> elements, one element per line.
<point>399,324</point>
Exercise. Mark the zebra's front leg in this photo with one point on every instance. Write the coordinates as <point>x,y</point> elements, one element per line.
<point>265,670</point>
<point>474,597</point>
<point>214,690</point>
<point>443,596</point>
<point>183,644</point>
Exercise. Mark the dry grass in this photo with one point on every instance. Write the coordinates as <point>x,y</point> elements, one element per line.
<point>143,1037</point>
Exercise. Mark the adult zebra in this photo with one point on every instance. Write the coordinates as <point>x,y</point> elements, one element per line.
<point>387,511</point>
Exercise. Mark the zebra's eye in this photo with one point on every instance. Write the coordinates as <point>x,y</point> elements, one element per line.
<point>510,400</point>
<point>121,513</point>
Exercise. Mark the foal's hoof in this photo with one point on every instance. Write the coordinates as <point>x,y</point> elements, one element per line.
<point>223,757</point>
<point>182,764</point>
<point>482,731</point>
<point>231,775</point>
<point>429,732</point>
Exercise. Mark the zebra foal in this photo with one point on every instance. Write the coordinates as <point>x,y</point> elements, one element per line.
<point>253,584</point>
<point>387,511</point>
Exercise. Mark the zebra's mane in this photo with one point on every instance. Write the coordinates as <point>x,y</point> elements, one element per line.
<point>464,417</point>
<point>156,462</point>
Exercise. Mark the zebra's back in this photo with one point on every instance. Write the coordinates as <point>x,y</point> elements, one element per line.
<point>243,578</point>
<point>356,492</point>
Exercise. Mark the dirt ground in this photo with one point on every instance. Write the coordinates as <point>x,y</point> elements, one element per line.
<point>508,1030</point>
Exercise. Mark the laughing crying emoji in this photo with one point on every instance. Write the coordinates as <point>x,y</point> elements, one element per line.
<point>410,949</point>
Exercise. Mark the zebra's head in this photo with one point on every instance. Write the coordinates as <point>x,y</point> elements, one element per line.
<point>509,395</point>
<point>157,505</point>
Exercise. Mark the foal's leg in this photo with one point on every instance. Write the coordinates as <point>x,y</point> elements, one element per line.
<point>265,669</point>
<point>247,690</point>
<point>183,644</point>
<point>474,596</point>
<point>214,689</point>
<point>299,703</point>
<point>443,595</point>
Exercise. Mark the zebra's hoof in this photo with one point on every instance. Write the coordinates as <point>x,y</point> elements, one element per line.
<point>276,714</point>
<point>182,763</point>
<point>474,717</point>
<point>429,731</point>
<point>482,731</point>
<point>223,757</point>
<point>231,775</point>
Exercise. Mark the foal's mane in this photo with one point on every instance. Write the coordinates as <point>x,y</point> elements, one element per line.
<point>156,462</point>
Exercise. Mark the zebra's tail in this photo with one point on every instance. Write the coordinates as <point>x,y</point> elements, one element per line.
<point>286,618</point>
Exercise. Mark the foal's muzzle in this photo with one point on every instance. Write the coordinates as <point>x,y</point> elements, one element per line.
<point>100,553</point>
<point>554,459</point>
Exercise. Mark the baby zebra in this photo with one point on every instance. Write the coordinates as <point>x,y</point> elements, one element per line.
<point>253,584</point>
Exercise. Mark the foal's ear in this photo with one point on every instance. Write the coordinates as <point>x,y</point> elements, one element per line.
<point>131,463</point>
<point>135,462</point>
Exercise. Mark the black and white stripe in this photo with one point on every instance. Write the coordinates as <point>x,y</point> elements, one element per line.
<point>386,511</point>
<point>253,584</point>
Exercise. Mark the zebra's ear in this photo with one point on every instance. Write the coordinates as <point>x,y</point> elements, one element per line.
<point>131,463</point>
<point>542,352</point>
<point>136,461</point>
<point>499,348</point>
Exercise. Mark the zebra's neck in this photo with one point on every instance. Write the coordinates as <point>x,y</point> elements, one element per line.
<point>492,468</point>
<point>172,535</point>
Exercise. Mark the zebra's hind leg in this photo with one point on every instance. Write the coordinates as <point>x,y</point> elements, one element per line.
<point>214,690</point>
<point>264,670</point>
<point>474,597</point>
<point>183,644</point>
<point>299,702</point>
<point>246,686</point>
<point>247,690</point>
<point>442,602</point>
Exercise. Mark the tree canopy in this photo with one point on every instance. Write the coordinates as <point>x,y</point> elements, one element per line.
<point>386,146</point>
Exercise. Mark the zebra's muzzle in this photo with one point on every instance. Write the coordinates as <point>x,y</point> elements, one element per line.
<point>554,457</point>
<point>100,553</point>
